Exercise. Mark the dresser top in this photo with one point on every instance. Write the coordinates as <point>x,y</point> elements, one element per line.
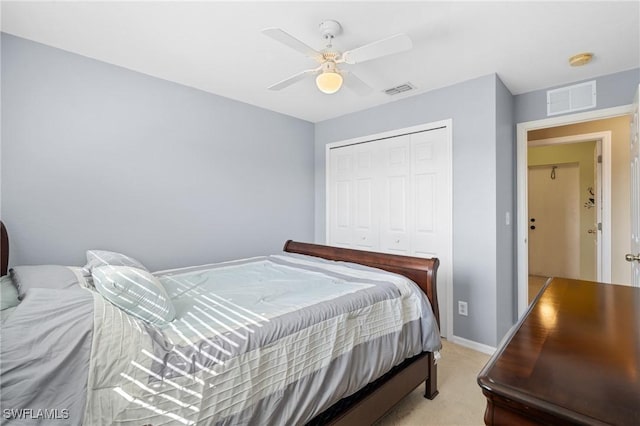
<point>575,354</point>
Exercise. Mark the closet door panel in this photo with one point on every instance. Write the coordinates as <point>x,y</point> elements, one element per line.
<point>395,219</point>
<point>430,181</point>
<point>341,197</point>
<point>366,235</point>
<point>341,214</point>
<point>425,237</point>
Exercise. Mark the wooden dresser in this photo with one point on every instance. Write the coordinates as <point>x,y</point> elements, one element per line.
<point>574,358</point>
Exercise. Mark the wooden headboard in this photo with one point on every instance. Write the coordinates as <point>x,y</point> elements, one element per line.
<point>419,270</point>
<point>4,249</point>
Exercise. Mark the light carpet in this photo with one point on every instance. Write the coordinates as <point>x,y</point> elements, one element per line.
<point>460,401</point>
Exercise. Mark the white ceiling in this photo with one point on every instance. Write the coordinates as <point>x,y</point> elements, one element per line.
<point>218,46</point>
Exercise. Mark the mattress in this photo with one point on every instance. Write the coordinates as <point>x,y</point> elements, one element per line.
<point>266,340</point>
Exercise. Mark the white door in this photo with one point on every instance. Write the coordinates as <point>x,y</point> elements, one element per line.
<point>392,194</point>
<point>396,203</point>
<point>634,256</point>
<point>432,213</point>
<point>340,196</point>
<point>365,209</point>
<point>430,175</point>
<point>554,221</point>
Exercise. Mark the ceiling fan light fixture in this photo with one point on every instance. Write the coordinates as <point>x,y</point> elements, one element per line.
<point>329,82</point>
<point>329,78</point>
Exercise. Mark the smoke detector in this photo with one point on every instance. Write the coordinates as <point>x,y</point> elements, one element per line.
<point>580,59</point>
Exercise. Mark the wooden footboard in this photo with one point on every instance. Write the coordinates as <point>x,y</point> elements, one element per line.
<point>372,402</point>
<point>419,270</point>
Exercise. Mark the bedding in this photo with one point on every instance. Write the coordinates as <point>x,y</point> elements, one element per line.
<point>43,276</point>
<point>234,354</point>
<point>6,313</point>
<point>45,345</point>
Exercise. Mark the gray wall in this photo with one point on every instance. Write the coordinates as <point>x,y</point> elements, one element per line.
<point>612,90</point>
<point>97,156</point>
<point>472,106</point>
<point>506,275</point>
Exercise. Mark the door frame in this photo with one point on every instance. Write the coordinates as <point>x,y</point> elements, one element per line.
<point>634,188</point>
<point>447,330</point>
<point>522,189</point>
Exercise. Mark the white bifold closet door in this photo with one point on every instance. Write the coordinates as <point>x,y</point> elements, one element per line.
<point>393,195</point>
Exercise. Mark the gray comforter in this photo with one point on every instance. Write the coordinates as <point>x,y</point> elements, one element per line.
<point>269,340</point>
<point>44,360</point>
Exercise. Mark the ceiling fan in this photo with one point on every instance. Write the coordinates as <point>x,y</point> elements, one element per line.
<point>329,77</point>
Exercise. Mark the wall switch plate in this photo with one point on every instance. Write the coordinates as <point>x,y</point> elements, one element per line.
<point>462,308</point>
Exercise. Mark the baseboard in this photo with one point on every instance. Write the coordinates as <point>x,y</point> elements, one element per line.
<point>472,345</point>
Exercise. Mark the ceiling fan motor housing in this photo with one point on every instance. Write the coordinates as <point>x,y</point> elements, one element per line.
<point>330,28</point>
<point>329,66</point>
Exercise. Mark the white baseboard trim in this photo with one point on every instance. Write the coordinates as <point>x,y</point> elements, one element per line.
<point>472,345</point>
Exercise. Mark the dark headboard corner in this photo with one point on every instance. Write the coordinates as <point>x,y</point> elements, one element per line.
<point>4,249</point>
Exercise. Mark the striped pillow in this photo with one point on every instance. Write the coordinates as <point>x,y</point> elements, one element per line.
<point>135,291</point>
<point>97,258</point>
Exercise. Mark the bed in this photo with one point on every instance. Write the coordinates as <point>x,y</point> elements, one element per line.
<point>232,355</point>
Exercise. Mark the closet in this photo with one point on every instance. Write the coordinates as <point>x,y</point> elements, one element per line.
<point>391,193</point>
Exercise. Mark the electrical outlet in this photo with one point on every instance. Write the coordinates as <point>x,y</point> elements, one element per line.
<point>462,308</point>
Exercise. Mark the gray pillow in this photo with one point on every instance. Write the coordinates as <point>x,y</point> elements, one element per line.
<point>135,291</point>
<point>8,293</point>
<point>42,276</point>
<point>96,258</point>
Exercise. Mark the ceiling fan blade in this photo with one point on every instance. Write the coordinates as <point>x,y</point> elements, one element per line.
<point>387,46</point>
<point>293,79</point>
<point>286,38</point>
<point>355,84</point>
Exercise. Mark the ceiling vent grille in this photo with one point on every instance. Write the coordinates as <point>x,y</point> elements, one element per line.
<point>399,89</point>
<point>571,98</point>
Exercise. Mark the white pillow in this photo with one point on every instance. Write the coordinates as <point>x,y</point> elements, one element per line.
<point>8,293</point>
<point>97,258</point>
<point>135,291</point>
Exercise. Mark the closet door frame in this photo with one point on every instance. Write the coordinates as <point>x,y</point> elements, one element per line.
<point>445,267</point>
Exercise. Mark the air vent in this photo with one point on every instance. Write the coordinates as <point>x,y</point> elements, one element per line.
<point>571,98</point>
<point>399,89</point>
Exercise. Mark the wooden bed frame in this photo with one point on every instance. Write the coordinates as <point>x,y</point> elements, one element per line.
<point>373,401</point>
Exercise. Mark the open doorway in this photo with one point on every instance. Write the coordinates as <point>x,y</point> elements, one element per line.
<point>614,230</point>
<point>564,201</point>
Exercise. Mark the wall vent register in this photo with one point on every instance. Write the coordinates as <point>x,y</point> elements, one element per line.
<point>399,89</point>
<point>567,99</point>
